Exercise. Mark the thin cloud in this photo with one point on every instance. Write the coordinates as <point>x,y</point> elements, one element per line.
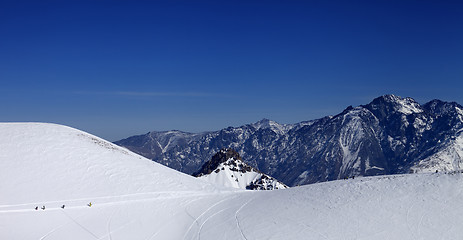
<point>153,94</point>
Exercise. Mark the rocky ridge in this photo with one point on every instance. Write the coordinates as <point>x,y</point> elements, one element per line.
<point>227,168</point>
<point>389,135</point>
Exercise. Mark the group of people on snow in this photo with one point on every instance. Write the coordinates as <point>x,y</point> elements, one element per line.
<point>63,206</point>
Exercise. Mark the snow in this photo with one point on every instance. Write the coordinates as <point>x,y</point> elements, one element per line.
<point>406,106</point>
<point>409,106</point>
<point>230,178</point>
<point>233,176</point>
<point>421,124</point>
<point>449,158</point>
<point>394,143</point>
<point>303,174</point>
<point>272,125</point>
<point>460,113</point>
<point>405,122</point>
<point>134,198</point>
<point>350,136</point>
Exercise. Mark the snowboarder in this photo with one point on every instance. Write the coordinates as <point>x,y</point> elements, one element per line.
<point>43,207</point>
<point>63,206</point>
<point>89,204</point>
<point>36,207</point>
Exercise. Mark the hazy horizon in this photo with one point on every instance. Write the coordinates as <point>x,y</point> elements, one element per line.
<point>117,69</point>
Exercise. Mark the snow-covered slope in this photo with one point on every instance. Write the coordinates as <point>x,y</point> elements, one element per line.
<point>228,169</point>
<point>47,162</point>
<point>134,198</point>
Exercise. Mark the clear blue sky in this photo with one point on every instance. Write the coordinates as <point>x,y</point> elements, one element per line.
<point>120,68</point>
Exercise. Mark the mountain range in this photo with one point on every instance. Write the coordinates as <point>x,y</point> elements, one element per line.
<point>389,135</point>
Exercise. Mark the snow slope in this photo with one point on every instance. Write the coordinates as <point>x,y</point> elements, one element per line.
<point>45,164</point>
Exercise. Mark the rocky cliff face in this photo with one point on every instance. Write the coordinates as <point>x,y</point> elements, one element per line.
<point>387,136</point>
<point>227,168</point>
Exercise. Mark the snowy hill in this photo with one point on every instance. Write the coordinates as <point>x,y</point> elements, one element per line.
<point>228,169</point>
<point>134,198</point>
<point>47,162</point>
<point>389,135</point>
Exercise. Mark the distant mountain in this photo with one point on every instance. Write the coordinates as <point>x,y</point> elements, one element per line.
<point>227,168</point>
<point>187,152</point>
<point>389,135</point>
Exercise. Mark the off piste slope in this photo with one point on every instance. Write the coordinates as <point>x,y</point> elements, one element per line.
<point>134,198</point>
<point>415,206</point>
<point>46,162</point>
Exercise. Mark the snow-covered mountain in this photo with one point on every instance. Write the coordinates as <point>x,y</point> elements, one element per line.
<point>389,135</point>
<point>227,168</point>
<point>134,198</point>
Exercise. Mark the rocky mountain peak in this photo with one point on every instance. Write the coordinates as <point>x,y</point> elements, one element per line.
<point>272,125</point>
<point>225,154</point>
<point>438,107</point>
<point>265,123</point>
<point>388,105</point>
<point>222,156</point>
<point>227,168</point>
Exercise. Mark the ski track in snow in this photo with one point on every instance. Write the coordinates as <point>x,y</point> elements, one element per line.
<point>109,224</point>
<point>110,200</point>
<point>421,223</point>
<point>156,232</point>
<point>108,203</point>
<point>207,219</point>
<point>407,220</point>
<point>53,230</point>
<point>237,220</point>
<point>57,228</point>
<point>189,215</point>
<point>445,206</point>
<point>113,231</point>
<point>196,220</point>
<point>192,217</point>
<point>109,232</point>
<point>80,225</point>
<point>414,227</point>
<point>415,214</point>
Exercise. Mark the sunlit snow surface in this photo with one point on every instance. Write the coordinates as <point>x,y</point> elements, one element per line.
<point>134,198</point>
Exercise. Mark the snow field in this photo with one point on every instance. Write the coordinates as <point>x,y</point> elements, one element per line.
<point>419,206</point>
<point>48,162</point>
<point>134,198</point>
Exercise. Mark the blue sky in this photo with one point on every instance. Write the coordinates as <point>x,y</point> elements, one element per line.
<point>120,68</point>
